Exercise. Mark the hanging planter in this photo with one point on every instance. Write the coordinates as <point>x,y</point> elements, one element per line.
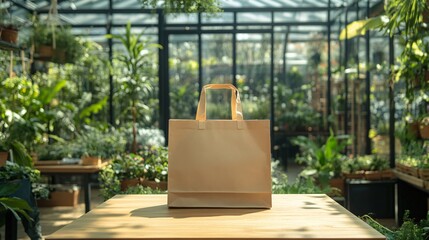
<point>9,34</point>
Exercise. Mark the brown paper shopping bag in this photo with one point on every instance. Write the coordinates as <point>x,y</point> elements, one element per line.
<point>219,163</point>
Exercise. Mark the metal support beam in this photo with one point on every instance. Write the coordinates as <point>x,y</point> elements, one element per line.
<point>200,56</point>
<point>391,104</point>
<point>111,84</point>
<point>163,84</point>
<point>234,52</point>
<point>272,117</point>
<point>329,85</point>
<point>346,80</point>
<point>367,85</point>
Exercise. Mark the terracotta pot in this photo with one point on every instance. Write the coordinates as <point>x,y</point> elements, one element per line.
<point>126,183</point>
<point>155,185</point>
<point>424,131</point>
<point>90,160</point>
<point>3,158</point>
<point>60,198</point>
<point>9,35</point>
<point>45,51</point>
<point>337,183</point>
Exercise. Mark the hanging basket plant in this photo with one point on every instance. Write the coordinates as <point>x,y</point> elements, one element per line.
<point>56,44</point>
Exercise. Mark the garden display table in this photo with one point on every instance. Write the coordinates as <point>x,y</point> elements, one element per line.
<point>312,216</point>
<point>78,170</point>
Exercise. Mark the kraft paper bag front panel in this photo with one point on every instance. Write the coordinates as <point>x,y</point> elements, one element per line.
<point>219,163</point>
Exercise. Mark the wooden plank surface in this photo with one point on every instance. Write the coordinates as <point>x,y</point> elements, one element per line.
<point>312,216</point>
<point>409,179</point>
<point>69,168</point>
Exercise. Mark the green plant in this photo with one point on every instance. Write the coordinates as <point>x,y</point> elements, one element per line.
<point>13,171</point>
<point>155,163</point>
<point>16,206</point>
<point>322,162</point>
<point>185,6</point>
<point>58,37</point>
<point>128,166</point>
<point>98,143</point>
<point>301,185</point>
<point>407,231</point>
<point>365,163</point>
<point>139,189</point>
<point>405,18</point>
<point>134,82</point>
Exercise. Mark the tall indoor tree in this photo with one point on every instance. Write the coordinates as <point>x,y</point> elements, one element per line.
<point>135,80</point>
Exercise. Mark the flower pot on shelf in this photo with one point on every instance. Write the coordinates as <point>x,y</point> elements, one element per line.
<point>90,161</point>
<point>67,198</point>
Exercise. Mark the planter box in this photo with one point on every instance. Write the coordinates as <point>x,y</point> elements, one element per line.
<point>371,175</point>
<point>92,161</point>
<point>424,173</point>
<point>413,171</point>
<point>60,198</point>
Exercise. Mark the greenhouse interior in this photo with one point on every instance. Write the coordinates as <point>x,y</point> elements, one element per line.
<point>167,119</point>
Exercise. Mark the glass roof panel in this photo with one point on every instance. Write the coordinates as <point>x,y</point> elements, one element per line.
<point>182,18</point>
<point>120,18</point>
<point>254,17</point>
<point>225,17</point>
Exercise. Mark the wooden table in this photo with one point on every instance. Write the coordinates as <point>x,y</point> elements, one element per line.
<point>77,169</point>
<point>313,216</point>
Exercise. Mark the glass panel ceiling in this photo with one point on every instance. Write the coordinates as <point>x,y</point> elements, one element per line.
<point>302,15</point>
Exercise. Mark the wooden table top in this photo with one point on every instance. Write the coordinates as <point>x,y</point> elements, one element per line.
<point>300,216</point>
<point>68,168</point>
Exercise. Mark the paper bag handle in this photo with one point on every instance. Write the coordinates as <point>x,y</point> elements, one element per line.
<point>236,110</point>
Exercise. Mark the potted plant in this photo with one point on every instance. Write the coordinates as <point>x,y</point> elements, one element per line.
<point>155,167</point>
<point>55,43</point>
<point>17,206</point>
<point>424,128</point>
<point>134,80</point>
<point>29,189</point>
<point>324,163</point>
<point>130,169</point>
<point>97,145</point>
<point>8,27</point>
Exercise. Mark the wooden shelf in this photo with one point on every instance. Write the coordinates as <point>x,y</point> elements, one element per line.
<point>410,179</point>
